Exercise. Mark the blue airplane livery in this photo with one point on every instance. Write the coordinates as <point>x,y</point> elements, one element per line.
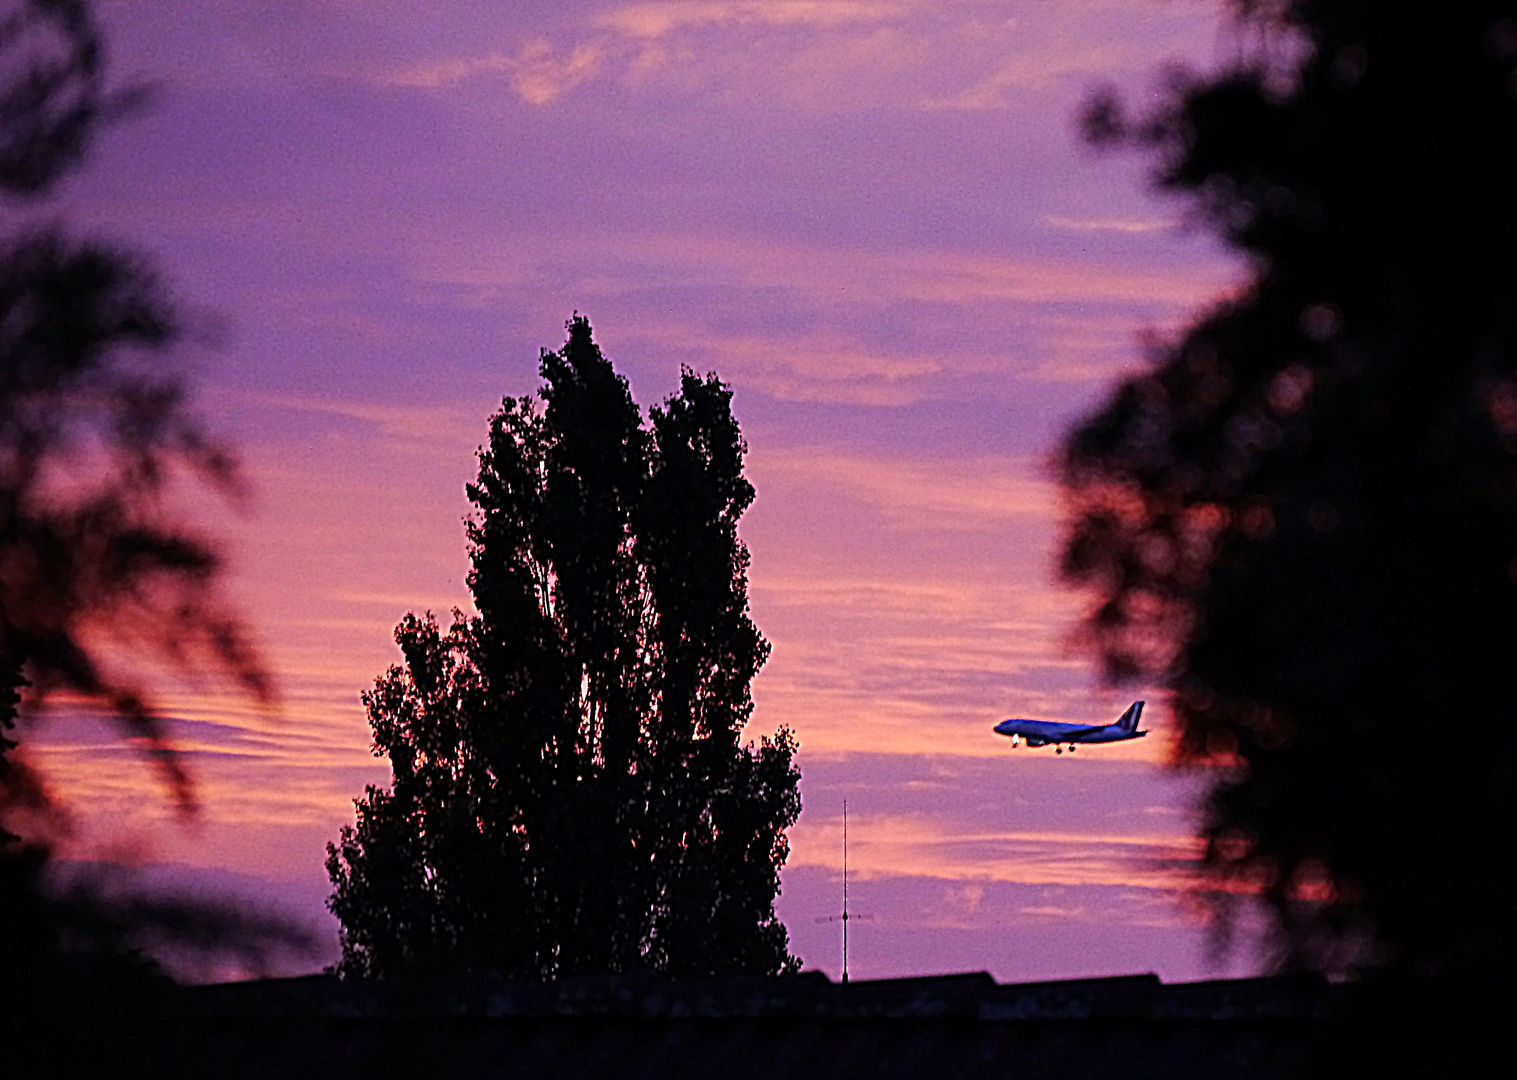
<point>1043,732</point>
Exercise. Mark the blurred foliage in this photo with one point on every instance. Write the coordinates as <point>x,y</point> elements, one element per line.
<point>1302,517</point>
<point>94,432</point>
<point>570,792</point>
<point>93,424</point>
<point>53,97</point>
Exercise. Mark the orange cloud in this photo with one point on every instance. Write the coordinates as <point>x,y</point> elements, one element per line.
<point>885,845</point>
<point>829,55</point>
<point>957,493</point>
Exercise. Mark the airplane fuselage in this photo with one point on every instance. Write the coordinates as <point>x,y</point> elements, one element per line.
<point>1045,732</point>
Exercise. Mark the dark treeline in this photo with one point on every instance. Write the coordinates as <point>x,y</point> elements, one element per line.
<point>570,791</point>
<point>1303,517</point>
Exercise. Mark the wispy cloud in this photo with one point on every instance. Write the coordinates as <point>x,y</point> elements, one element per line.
<point>853,274</point>
<point>883,845</point>
<point>536,71</point>
<point>1129,226</point>
<point>455,425</point>
<point>1051,317</point>
<point>823,55</point>
<point>960,493</point>
<point>807,366</point>
<point>660,18</point>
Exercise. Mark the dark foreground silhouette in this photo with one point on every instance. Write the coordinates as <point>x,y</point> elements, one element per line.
<point>793,1026</point>
<point>1303,517</point>
<point>93,431</point>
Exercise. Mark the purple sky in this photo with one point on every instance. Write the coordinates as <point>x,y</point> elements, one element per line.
<point>874,218</point>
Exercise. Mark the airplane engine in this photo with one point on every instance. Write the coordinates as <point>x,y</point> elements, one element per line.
<point>1036,742</point>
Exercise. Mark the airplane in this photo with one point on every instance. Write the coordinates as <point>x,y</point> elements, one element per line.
<point>1043,732</point>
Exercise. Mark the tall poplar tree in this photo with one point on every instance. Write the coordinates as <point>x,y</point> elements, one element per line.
<point>571,793</point>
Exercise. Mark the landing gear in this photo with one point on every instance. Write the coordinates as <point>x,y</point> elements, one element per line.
<point>1071,748</point>
<point>1058,749</point>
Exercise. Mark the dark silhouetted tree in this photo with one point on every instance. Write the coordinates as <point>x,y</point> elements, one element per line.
<point>571,794</point>
<point>1303,516</point>
<point>93,433</point>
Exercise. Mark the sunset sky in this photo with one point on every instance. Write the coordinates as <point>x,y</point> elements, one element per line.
<point>873,218</point>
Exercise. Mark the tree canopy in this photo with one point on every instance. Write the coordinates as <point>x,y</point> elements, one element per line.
<point>571,793</point>
<point>1302,518</point>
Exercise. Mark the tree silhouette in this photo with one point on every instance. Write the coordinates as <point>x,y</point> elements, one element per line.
<point>1303,516</point>
<point>570,791</point>
<point>93,432</point>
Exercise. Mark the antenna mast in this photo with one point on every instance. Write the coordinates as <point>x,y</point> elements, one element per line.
<point>845,890</point>
<point>846,916</point>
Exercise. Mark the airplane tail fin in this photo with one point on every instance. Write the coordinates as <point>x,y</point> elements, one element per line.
<point>1129,720</point>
